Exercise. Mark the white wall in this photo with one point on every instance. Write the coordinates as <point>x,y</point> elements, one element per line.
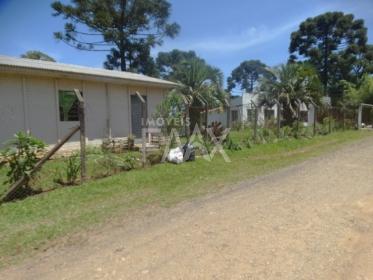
<point>218,117</point>
<point>41,104</point>
<point>154,98</point>
<point>119,110</point>
<point>96,110</point>
<point>12,118</point>
<point>31,104</point>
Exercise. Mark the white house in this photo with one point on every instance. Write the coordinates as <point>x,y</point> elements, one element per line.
<point>36,96</point>
<point>242,110</point>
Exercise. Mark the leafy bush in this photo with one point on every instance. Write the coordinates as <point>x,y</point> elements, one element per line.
<point>268,135</point>
<point>155,157</point>
<point>286,132</point>
<point>93,150</point>
<point>107,163</point>
<point>323,129</point>
<point>249,143</point>
<point>231,145</point>
<point>71,171</point>
<point>111,163</point>
<point>265,135</point>
<point>128,162</point>
<point>20,155</point>
<point>171,111</point>
<point>297,130</point>
<point>239,125</point>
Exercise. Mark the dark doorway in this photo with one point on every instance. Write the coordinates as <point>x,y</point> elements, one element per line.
<point>136,115</point>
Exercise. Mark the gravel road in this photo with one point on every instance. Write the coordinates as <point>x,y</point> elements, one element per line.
<point>309,221</point>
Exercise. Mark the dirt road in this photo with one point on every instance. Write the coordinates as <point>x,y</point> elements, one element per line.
<point>310,221</point>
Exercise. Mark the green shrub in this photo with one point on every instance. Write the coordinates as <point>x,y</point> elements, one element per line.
<point>111,163</point>
<point>231,145</point>
<point>71,171</point>
<point>323,128</point>
<point>286,132</point>
<point>239,125</point>
<point>107,163</point>
<point>155,157</point>
<point>249,143</point>
<point>20,155</point>
<point>297,130</point>
<point>128,162</point>
<point>265,135</point>
<point>269,135</point>
<point>93,150</point>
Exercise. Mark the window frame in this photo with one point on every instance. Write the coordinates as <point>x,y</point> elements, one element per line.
<point>234,113</point>
<point>76,104</point>
<point>250,115</point>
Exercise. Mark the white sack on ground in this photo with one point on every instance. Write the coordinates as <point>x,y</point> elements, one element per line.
<point>175,155</point>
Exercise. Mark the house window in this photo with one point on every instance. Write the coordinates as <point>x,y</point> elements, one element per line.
<point>303,116</point>
<point>250,115</point>
<point>234,115</point>
<point>269,114</point>
<point>68,106</point>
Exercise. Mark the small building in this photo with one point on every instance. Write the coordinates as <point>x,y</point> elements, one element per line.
<point>242,111</point>
<point>37,97</point>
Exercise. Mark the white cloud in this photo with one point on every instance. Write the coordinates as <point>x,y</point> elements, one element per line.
<point>250,37</point>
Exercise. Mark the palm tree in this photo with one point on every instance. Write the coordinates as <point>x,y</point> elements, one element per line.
<point>293,85</point>
<point>201,85</point>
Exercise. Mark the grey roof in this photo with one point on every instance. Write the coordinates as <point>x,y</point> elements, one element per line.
<point>53,68</point>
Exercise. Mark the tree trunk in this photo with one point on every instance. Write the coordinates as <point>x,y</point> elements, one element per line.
<point>326,66</point>
<point>206,119</point>
<point>123,5</point>
<point>122,60</point>
<point>251,84</point>
<point>287,116</point>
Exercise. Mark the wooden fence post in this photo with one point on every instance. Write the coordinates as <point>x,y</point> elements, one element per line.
<point>187,123</point>
<point>359,116</point>
<point>143,127</point>
<point>206,119</point>
<point>143,133</point>
<point>228,104</point>
<point>278,118</point>
<point>186,117</point>
<point>314,119</point>
<point>329,117</point>
<point>83,158</point>
<point>298,115</point>
<point>256,123</point>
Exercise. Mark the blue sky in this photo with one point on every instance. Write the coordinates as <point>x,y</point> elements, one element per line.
<point>223,32</point>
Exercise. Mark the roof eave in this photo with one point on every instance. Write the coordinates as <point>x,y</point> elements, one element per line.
<point>82,76</point>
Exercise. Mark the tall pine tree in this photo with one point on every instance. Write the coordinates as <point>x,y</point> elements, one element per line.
<point>128,29</point>
<point>334,43</point>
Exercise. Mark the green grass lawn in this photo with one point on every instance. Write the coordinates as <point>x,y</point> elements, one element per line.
<point>45,179</point>
<point>33,222</point>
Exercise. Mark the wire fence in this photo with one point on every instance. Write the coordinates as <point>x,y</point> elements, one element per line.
<point>321,119</point>
<point>118,155</point>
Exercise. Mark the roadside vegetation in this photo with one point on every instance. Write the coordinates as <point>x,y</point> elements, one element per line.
<point>32,223</point>
<point>329,57</point>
